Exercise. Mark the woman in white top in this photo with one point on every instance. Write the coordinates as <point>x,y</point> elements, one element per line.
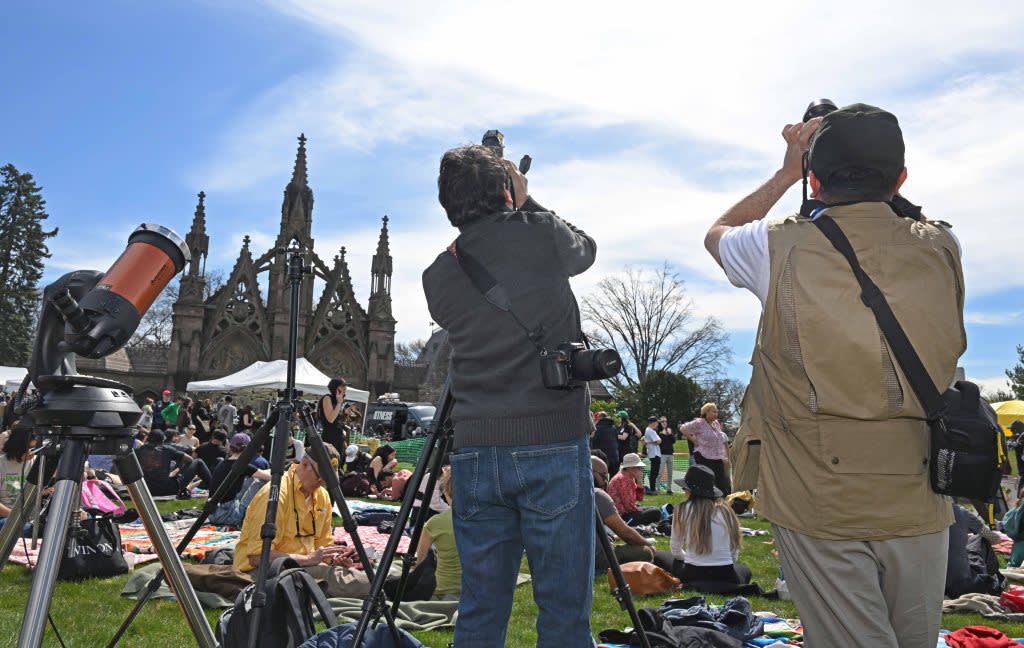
<point>706,536</point>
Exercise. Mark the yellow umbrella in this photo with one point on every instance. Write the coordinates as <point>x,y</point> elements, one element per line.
<point>1009,411</point>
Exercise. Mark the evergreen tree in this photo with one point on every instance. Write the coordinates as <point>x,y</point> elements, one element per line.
<point>1016,374</point>
<point>22,250</point>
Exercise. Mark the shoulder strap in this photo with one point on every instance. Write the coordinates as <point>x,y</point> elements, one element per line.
<point>900,345</point>
<point>493,291</point>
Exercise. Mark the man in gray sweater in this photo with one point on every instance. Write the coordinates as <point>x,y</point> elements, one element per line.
<point>521,463</point>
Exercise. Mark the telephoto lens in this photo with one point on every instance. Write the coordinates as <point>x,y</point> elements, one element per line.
<point>819,108</point>
<point>596,364</point>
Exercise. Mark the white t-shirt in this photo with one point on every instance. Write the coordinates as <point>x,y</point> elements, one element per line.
<point>720,554</point>
<point>744,254</point>
<point>653,449</point>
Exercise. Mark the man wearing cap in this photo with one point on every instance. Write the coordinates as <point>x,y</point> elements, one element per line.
<point>158,407</point>
<point>832,435</point>
<point>637,547</point>
<point>231,510</point>
<point>304,530</point>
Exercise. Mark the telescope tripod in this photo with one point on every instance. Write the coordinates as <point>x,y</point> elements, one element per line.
<point>80,415</point>
<point>437,447</point>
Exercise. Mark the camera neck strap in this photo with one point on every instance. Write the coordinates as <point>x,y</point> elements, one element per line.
<point>493,291</point>
<point>914,370</point>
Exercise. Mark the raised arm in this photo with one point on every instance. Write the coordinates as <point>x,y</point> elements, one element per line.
<point>757,205</point>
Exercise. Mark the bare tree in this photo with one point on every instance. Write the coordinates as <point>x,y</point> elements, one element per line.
<point>648,317</point>
<point>408,353</point>
<point>155,328</point>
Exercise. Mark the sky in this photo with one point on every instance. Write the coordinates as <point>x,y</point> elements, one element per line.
<point>645,122</point>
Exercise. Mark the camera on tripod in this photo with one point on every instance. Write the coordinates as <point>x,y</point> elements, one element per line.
<point>572,362</point>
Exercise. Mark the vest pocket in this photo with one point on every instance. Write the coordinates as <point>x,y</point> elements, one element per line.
<point>893,447</point>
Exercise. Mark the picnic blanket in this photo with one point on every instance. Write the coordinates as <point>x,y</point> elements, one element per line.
<point>988,606</point>
<point>413,616</point>
<point>135,540</point>
<point>372,539</point>
<point>23,554</point>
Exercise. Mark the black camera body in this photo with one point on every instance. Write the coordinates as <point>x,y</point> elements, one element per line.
<point>572,362</point>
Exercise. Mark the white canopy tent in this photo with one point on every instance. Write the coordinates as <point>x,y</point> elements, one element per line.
<point>272,376</point>
<point>11,377</point>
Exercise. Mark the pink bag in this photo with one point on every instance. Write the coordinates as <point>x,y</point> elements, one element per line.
<point>100,496</point>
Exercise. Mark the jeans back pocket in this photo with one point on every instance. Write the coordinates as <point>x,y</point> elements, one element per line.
<point>549,478</point>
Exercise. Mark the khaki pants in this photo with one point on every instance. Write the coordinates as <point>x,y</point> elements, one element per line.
<point>875,594</point>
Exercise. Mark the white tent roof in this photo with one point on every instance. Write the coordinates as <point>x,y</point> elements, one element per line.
<point>11,377</point>
<point>272,376</point>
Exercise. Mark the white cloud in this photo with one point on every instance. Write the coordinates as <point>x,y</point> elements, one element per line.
<point>999,319</point>
<point>712,76</point>
<point>991,385</point>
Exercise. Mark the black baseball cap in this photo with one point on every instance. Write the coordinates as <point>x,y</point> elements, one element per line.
<point>857,135</point>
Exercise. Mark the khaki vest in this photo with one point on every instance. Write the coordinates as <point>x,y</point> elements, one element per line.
<point>832,434</point>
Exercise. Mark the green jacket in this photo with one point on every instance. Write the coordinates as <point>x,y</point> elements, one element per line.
<point>170,414</point>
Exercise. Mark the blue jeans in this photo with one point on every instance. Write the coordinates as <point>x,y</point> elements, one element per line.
<point>538,498</point>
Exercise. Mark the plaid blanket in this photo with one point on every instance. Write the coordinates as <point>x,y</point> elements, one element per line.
<point>135,540</point>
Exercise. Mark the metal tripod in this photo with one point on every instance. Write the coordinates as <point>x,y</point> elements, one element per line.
<point>437,447</point>
<point>81,415</point>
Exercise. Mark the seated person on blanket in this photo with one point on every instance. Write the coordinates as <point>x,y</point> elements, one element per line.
<point>356,460</point>
<point>706,536</point>
<point>14,460</point>
<point>626,488</point>
<point>971,564</point>
<point>385,458</point>
<point>231,510</point>
<point>303,531</point>
<point>637,547</point>
<point>214,450</point>
<point>1013,526</point>
<point>168,471</point>
<point>440,532</point>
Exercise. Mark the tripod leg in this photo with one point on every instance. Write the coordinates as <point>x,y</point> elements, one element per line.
<point>211,505</point>
<point>329,474</point>
<point>131,475</point>
<point>621,592</point>
<point>374,599</point>
<point>66,494</point>
<point>436,458</point>
<point>15,521</point>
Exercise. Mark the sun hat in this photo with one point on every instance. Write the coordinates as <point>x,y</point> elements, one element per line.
<point>700,481</point>
<point>351,453</point>
<point>240,439</point>
<point>631,460</point>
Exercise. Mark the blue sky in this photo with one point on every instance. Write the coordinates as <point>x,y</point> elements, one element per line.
<point>645,123</point>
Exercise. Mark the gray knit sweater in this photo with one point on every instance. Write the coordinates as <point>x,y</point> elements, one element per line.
<point>499,397</point>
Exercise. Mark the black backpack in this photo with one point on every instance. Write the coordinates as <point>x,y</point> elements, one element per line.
<point>287,619</point>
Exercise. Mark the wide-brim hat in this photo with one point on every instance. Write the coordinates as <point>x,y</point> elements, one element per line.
<point>700,482</point>
<point>631,460</point>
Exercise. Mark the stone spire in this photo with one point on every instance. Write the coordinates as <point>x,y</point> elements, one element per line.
<point>381,267</point>
<point>297,207</point>
<point>197,240</point>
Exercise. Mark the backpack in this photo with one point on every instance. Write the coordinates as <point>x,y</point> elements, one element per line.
<point>287,619</point>
<point>377,636</point>
<point>98,495</point>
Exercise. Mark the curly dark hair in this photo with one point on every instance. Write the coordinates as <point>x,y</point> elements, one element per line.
<point>471,183</point>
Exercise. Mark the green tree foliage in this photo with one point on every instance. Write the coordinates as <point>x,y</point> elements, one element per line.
<point>22,251</point>
<point>663,392</point>
<point>1016,374</point>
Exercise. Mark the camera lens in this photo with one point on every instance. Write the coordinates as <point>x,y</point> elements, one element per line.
<point>596,364</point>
<point>819,108</point>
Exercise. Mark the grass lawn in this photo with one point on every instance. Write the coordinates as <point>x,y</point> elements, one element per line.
<point>88,613</point>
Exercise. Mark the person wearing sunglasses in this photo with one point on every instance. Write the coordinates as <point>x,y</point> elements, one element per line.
<point>303,530</point>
